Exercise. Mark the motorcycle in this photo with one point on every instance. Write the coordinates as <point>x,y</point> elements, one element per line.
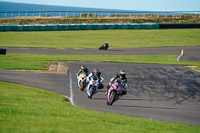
<point>104,47</point>
<point>114,92</point>
<point>92,86</point>
<point>82,78</point>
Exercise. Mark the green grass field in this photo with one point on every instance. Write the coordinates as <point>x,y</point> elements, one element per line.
<point>26,109</point>
<point>38,61</point>
<point>95,38</point>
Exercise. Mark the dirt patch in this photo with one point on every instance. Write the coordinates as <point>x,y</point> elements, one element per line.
<point>56,67</point>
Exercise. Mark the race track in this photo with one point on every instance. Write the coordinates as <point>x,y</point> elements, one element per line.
<point>162,92</point>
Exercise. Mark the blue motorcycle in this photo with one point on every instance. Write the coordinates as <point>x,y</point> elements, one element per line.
<point>82,78</point>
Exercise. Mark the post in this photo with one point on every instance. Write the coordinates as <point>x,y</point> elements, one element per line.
<point>66,14</point>
<point>5,14</point>
<point>88,14</point>
<point>19,13</point>
<point>95,14</point>
<point>173,15</point>
<point>116,15</point>
<point>165,14</point>
<point>199,13</point>
<point>12,13</point>
<point>59,14</point>
<point>158,14</point>
<point>180,14</point>
<point>46,13</point>
<point>73,14</point>
<point>80,14</point>
<point>39,14</point>
<point>26,13</point>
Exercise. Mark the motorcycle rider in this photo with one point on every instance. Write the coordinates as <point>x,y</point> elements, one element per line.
<point>121,76</point>
<point>83,69</point>
<point>106,45</point>
<point>98,74</point>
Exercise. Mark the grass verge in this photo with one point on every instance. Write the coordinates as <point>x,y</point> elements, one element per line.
<point>95,38</point>
<point>26,109</point>
<point>38,61</point>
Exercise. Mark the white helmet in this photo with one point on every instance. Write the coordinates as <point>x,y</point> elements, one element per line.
<point>122,73</point>
<point>83,67</point>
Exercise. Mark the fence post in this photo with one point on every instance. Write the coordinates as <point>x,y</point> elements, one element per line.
<point>165,14</point>
<point>26,13</point>
<point>180,14</point>
<point>5,14</point>
<point>12,13</point>
<point>80,14</point>
<point>39,14</point>
<point>19,13</point>
<point>199,13</point>
<point>66,14</point>
<point>73,14</point>
<point>95,14</point>
<point>116,15</point>
<point>158,14</point>
<point>88,14</point>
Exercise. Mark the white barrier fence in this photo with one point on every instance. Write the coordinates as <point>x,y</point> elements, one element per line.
<point>99,14</point>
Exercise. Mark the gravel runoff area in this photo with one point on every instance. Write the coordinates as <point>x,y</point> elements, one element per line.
<point>190,53</point>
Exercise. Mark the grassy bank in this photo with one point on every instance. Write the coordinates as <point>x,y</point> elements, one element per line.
<point>95,38</point>
<point>25,109</point>
<point>40,61</point>
<point>89,18</point>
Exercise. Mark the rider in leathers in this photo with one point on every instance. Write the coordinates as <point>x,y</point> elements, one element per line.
<point>121,76</point>
<point>83,69</point>
<point>98,75</point>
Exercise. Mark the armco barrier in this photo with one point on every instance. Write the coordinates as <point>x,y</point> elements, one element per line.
<point>57,27</point>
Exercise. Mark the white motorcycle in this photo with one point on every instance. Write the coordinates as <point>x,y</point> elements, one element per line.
<point>92,86</point>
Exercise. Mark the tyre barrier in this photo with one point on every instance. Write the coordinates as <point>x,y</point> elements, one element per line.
<point>3,51</point>
<point>58,27</point>
<point>178,26</point>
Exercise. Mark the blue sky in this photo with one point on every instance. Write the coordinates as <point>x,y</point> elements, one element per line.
<point>147,5</point>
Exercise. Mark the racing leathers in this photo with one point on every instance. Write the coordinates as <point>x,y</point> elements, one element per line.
<point>124,81</point>
<point>99,76</point>
<point>86,71</point>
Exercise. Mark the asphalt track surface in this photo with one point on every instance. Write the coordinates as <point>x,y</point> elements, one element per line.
<point>162,92</point>
<point>191,53</point>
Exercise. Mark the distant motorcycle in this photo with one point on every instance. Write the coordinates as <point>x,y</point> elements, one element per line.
<point>104,47</point>
<point>114,92</point>
<point>92,86</point>
<point>82,78</point>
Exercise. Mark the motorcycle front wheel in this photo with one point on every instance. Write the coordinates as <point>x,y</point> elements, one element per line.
<point>112,98</point>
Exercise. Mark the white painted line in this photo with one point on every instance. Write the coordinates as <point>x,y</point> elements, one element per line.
<point>70,84</point>
<point>180,55</point>
<point>193,69</point>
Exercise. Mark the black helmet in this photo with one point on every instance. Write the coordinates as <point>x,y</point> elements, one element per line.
<point>122,73</point>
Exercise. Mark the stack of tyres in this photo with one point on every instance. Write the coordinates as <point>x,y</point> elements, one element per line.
<point>2,51</point>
